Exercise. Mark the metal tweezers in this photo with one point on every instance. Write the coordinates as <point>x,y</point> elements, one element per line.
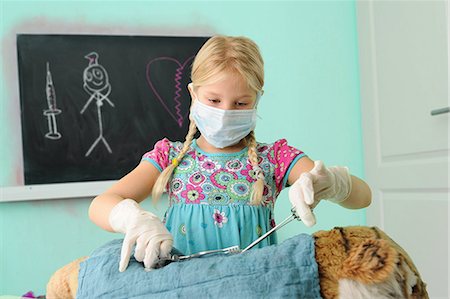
<point>232,249</point>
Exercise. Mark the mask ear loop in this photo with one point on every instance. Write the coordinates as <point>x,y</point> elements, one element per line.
<point>191,89</point>
<point>259,93</point>
<point>194,99</point>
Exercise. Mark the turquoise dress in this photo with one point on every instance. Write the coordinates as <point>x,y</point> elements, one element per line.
<point>209,194</point>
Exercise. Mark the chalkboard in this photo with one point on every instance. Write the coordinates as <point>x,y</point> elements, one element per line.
<point>92,105</point>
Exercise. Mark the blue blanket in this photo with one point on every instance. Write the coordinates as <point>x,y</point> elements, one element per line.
<point>287,270</point>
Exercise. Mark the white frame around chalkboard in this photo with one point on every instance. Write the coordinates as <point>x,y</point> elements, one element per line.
<point>54,191</point>
<point>21,192</point>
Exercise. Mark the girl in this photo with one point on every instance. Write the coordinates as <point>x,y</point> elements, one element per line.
<point>222,186</point>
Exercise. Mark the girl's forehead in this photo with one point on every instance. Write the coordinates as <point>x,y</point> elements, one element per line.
<point>227,83</point>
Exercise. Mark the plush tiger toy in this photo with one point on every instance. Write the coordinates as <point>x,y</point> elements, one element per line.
<point>359,262</point>
<point>354,262</point>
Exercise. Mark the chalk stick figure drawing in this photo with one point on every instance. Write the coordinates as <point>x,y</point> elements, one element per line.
<point>53,133</point>
<point>96,84</point>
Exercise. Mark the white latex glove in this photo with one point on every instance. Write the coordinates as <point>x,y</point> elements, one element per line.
<point>333,183</point>
<point>152,239</point>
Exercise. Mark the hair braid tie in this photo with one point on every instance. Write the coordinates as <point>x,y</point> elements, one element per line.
<point>175,162</point>
<point>258,172</point>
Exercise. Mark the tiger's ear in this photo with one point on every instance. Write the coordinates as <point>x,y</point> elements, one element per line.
<point>372,261</point>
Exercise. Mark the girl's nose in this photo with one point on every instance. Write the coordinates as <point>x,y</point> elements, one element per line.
<point>228,105</point>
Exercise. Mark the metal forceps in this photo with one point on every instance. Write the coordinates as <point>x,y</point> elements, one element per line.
<point>276,227</point>
<point>175,257</point>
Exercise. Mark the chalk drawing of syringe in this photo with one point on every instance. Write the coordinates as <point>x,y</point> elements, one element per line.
<point>96,84</point>
<point>52,110</point>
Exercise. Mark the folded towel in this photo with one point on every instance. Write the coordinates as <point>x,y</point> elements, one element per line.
<point>287,270</point>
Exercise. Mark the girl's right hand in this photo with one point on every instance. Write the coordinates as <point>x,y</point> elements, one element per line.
<point>153,240</point>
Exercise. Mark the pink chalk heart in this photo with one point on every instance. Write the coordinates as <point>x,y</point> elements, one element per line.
<point>172,105</point>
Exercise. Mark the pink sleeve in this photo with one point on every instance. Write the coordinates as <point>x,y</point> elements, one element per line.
<point>285,157</point>
<point>159,155</point>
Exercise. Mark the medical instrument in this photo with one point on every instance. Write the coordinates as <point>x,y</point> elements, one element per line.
<point>52,109</point>
<point>275,228</point>
<point>175,257</point>
<point>232,249</point>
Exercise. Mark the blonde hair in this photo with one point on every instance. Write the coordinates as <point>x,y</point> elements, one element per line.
<point>219,55</point>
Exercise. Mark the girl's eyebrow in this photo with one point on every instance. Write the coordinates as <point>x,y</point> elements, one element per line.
<point>245,96</point>
<point>211,93</point>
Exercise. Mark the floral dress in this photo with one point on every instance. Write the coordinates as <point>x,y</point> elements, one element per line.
<point>209,194</point>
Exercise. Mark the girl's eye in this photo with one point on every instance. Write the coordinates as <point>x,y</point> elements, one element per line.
<point>242,104</point>
<point>214,101</point>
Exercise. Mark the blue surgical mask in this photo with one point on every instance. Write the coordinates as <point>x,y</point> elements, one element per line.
<point>222,128</point>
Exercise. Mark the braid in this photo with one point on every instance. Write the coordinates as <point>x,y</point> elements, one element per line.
<point>258,186</point>
<point>164,177</point>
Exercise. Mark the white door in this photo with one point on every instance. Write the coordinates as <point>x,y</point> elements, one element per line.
<point>403,48</point>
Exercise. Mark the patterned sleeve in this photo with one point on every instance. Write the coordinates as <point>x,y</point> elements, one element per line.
<point>285,157</point>
<point>159,155</point>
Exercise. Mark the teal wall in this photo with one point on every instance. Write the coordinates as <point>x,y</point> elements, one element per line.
<point>311,99</point>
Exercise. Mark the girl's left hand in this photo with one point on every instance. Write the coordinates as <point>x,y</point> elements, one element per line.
<point>333,183</point>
